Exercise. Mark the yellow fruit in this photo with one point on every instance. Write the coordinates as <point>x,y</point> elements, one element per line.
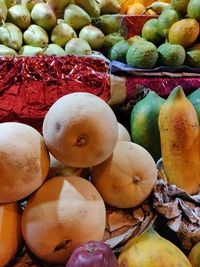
<point>144,2</point>
<point>10,232</point>
<point>63,213</point>
<point>184,32</point>
<point>123,134</point>
<point>127,178</point>
<point>151,250</point>
<point>194,255</point>
<point>80,130</point>
<point>24,161</point>
<point>135,9</point>
<point>124,5</point>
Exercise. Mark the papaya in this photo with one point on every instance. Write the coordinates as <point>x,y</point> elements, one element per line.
<point>180,134</point>
<point>194,255</point>
<point>144,123</point>
<point>194,98</point>
<point>10,232</point>
<point>152,250</point>
<point>90,6</point>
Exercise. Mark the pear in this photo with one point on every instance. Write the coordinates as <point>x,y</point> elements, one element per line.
<point>10,3</point>
<point>28,50</point>
<point>36,36</point>
<point>76,17</point>
<point>60,21</point>
<point>78,46</point>
<point>92,7</point>
<point>29,4</point>
<point>109,6</point>
<point>3,11</point>
<point>93,36</point>
<point>58,6</point>
<point>107,23</point>
<point>54,50</point>
<point>43,15</point>
<point>7,51</point>
<point>62,33</point>
<point>11,36</point>
<point>20,16</point>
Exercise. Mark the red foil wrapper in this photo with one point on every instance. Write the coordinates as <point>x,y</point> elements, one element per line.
<point>161,85</point>
<point>30,85</point>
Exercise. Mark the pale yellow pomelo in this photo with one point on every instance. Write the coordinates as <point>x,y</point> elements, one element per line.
<point>126,178</point>
<point>123,134</point>
<point>24,161</point>
<point>63,213</point>
<point>80,130</point>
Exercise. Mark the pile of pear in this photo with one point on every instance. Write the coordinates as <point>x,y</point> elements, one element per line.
<point>52,27</point>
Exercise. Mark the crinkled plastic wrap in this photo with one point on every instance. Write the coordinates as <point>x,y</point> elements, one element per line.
<point>30,85</point>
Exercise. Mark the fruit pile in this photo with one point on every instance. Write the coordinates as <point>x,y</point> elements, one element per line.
<point>84,163</point>
<point>169,40</point>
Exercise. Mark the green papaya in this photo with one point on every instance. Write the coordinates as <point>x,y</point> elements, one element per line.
<point>144,123</point>
<point>194,98</point>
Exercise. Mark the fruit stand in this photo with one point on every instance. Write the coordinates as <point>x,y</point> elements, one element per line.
<point>99,133</point>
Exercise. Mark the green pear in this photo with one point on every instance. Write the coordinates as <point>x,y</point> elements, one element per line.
<point>53,50</point>
<point>93,36</point>
<point>11,36</point>
<point>62,33</point>
<point>43,15</point>
<point>92,7</point>
<point>109,6</point>
<point>58,6</point>
<point>3,11</point>
<point>29,4</point>
<point>20,16</point>
<point>7,51</point>
<point>36,36</point>
<point>28,50</point>
<point>10,3</point>
<point>78,46</point>
<point>107,23</point>
<point>76,17</point>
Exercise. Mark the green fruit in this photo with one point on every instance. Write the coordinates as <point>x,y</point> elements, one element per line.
<point>28,50</point>
<point>93,36</point>
<point>3,11</point>
<point>10,3</point>
<point>165,21</point>
<point>171,54</point>
<point>118,51</point>
<point>92,7</point>
<point>149,31</point>
<point>53,49</point>
<point>193,9</point>
<point>11,36</point>
<point>110,6</point>
<point>110,40</point>
<point>194,98</point>
<point>20,16</point>
<point>76,17</point>
<point>144,123</point>
<point>43,15</point>
<point>180,5</point>
<point>142,55</point>
<point>7,51</point>
<point>58,4</point>
<point>78,46</point>
<point>106,23</point>
<point>36,36</point>
<point>62,33</point>
<point>193,58</point>
<point>135,39</point>
<point>29,4</point>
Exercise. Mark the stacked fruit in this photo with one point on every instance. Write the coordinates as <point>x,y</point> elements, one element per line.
<point>169,40</point>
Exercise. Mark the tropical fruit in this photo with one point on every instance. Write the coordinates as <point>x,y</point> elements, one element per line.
<point>157,6</point>
<point>93,36</point>
<point>193,9</point>
<point>118,51</point>
<point>28,50</point>
<point>144,123</point>
<point>10,229</point>
<point>180,5</point>
<point>184,32</point>
<point>123,134</point>
<point>24,161</point>
<point>150,249</point>
<point>110,40</point>
<point>149,31</point>
<point>194,255</point>
<point>127,177</point>
<point>135,9</point>
<point>193,56</point>
<point>142,55</point>
<point>179,134</point>
<point>78,46</point>
<point>166,20</point>
<point>76,214</point>
<point>194,98</point>
<point>76,136</point>
<point>171,54</point>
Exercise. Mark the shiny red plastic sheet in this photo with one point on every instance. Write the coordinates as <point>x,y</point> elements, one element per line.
<point>30,85</point>
<point>161,85</point>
